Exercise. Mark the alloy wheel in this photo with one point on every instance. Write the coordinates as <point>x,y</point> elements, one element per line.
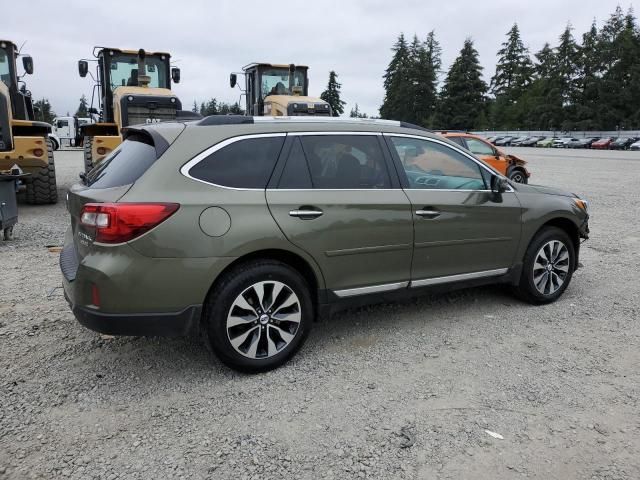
<point>551,267</point>
<point>264,319</point>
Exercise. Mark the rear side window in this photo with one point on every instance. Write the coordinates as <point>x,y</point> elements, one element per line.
<point>124,165</point>
<point>345,162</point>
<point>246,163</point>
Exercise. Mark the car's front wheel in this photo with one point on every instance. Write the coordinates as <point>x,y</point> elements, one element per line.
<point>258,316</point>
<point>517,175</point>
<point>548,266</point>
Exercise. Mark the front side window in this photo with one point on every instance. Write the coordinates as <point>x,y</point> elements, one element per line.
<point>345,162</point>
<point>431,165</point>
<point>246,163</point>
<point>124,71</point>
<point>62,123</point>
<point>478,147</point>
<point>275,81</point>
<point>5,68</point>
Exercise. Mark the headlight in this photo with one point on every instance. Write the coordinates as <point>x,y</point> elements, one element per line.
<point>583,204</point>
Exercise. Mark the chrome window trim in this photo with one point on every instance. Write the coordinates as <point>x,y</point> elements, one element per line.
<point>184,170</point>
<point>455,148</point>
<point>455,278</point>
<point>386,287</point>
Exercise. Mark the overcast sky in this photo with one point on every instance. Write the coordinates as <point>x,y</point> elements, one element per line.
<point>209,39</point>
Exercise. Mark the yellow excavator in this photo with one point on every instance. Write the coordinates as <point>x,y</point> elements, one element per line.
<point>23,141</point>
<point>134,87</point>
<point>278,90</point>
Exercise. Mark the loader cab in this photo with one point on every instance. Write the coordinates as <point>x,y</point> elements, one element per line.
<point>124,68</point>
<point>20,97</point>
<point>265,82</point>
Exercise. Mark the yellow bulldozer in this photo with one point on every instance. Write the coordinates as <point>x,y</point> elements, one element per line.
<point>134,87</point>
<point>278,90</point>
<point>23,141</point>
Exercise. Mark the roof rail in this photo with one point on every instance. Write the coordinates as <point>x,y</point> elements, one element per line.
<point>239,119</point>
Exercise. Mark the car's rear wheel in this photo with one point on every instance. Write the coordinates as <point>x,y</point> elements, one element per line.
<point>258,316</point>
<point>548,266</point>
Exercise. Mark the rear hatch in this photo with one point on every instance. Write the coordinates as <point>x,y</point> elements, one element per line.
<point>109,181</point>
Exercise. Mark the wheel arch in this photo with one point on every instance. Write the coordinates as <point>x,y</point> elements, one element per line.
<point>567,226</point>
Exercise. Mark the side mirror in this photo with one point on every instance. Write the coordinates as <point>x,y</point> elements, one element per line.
<point>83,68</point>
<point>233,80</point>
<point>175,75</point>
<point>27,63</point>
<point>499,184</point>
<point>93,111</point>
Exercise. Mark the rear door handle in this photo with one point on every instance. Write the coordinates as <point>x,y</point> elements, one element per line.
<point>428,213</point>
<point>306,214</point>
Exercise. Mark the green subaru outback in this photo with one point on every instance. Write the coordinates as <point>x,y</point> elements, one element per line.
<point>247,229</point>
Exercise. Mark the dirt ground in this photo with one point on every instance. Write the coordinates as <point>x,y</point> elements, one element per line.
<point>396,391</point>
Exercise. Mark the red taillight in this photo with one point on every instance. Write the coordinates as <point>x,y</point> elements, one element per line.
<point>121,222</point>
<point>95,295</point>
<point>102,150</point>
<point>38,152</point>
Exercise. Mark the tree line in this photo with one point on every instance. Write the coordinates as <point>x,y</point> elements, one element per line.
<point>590,84</point>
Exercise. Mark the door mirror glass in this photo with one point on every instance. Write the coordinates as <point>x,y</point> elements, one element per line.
<point>83,68</point>
<point>233,80</point>
<point>27,63</point>
<point>499,184</point>
<point>175,75</point>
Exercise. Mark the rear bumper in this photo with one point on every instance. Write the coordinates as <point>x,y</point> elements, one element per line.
<point>140,324</point>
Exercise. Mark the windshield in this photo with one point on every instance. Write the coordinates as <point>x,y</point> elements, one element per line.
<point>275,81</point>
<point>124,71</point>
<point>5,68</point>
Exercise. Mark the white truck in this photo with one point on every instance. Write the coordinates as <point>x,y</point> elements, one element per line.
<point>66,129</point>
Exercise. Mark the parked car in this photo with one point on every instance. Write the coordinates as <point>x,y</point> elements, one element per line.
<point>508,165</point>
<point>603,143</point>
<point>635,146</point>
<point>562,142</point>
<point>516,142</point>
<point>545,142</point>
<point>622,143</point>
<point>247,229</point>
<point>531,141</point>
<point>582,142</point>
<point>503,142</point>
<point>491,139</point>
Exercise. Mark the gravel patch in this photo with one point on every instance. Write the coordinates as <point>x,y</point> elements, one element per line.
<point>411,390</point>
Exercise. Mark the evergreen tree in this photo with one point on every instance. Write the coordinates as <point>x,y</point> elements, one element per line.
<point>542,101</point>
<point>83,110</point>
<point>43,111</point>
<point>210,108</point>
<point>587,84</point>
<point>426,63</point>
<point>397,84</point>
<point>332,95</point>
<point>356,113</point>
<point>194,109</point>
<point>514,74</point>
<point>565,76</point>
<point>462,99</point>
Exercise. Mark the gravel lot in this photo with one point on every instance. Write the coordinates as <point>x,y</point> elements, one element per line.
<point>395,391</point>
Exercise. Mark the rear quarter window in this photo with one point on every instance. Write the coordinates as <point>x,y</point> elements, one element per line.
<point>124,165</point>
<point>245,163</point>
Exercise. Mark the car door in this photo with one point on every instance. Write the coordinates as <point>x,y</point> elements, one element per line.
<point>462,229</point>
<point>336,199</point>
<point>487,153</point>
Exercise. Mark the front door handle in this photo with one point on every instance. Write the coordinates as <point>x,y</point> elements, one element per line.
<point>306,214</point>
<point>427,213</point>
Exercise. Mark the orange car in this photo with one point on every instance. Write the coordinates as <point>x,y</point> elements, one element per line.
<point>509,165</point>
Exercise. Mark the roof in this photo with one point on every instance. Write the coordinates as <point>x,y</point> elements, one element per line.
<point>9,42</point>
<point>128,52</point>
<point>274,65</point>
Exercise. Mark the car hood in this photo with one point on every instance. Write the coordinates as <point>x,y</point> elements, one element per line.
<point>528,188</point>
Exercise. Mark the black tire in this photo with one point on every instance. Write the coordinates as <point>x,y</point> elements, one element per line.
<point>518,175</point>
<point>87,146</point>
<point>221,300</point>
<point>527,289</point>
<point>54,144</point>
<point>41,188</point>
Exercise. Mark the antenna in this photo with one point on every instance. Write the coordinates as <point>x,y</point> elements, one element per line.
<point>21,46</point>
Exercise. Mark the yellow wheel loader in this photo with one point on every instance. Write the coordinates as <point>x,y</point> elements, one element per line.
<point>24,141</point>
<point>278,90</point>
<point>134,87</point>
